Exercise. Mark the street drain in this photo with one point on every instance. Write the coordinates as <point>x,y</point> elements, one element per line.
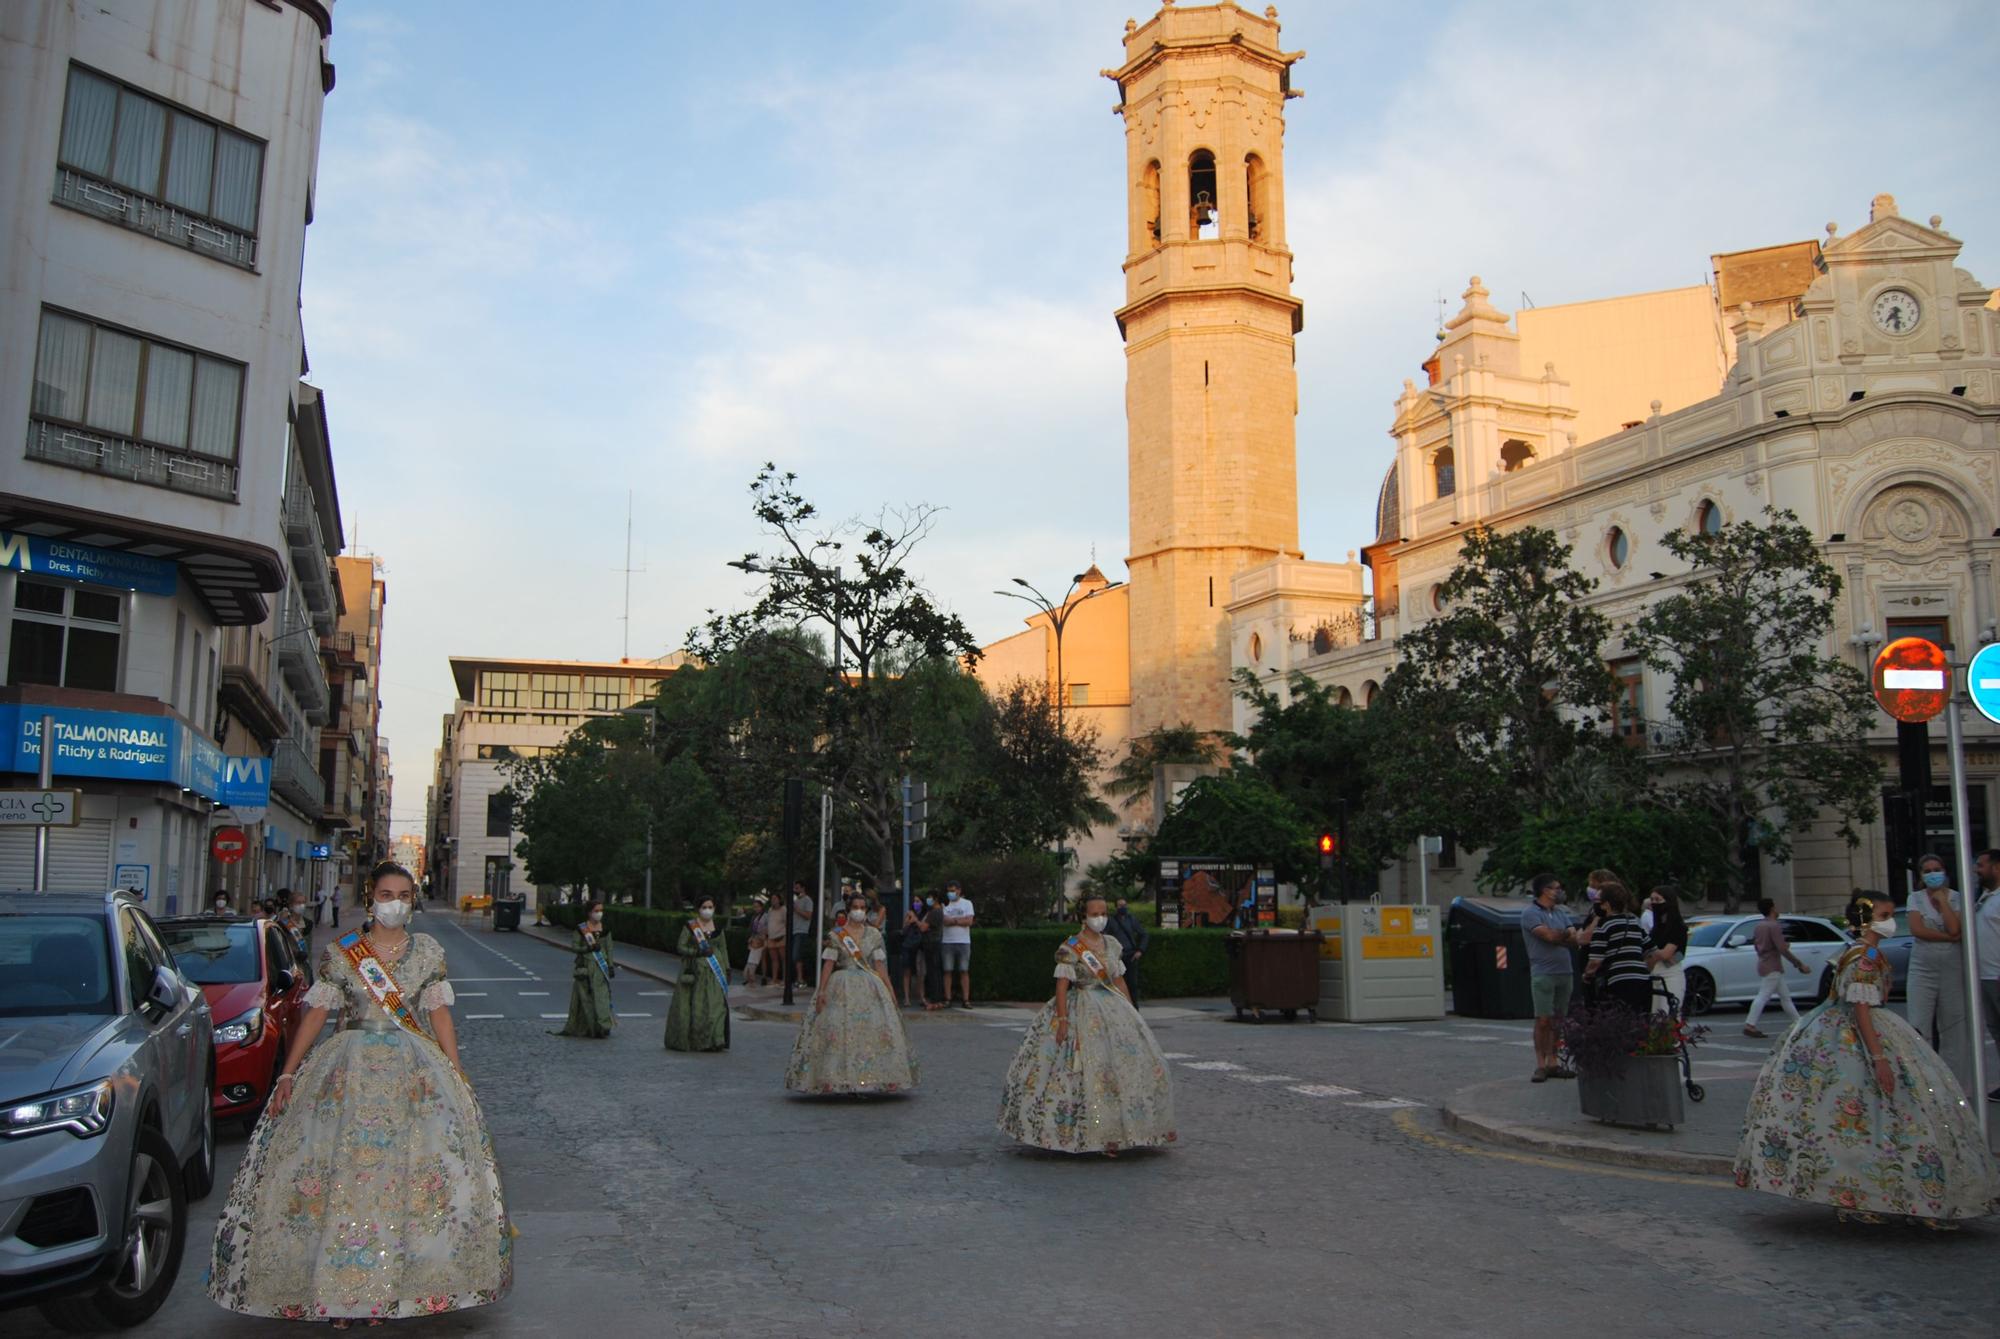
<point>941,1159</point>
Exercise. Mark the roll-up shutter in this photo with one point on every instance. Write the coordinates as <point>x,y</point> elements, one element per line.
<point>79,857</point>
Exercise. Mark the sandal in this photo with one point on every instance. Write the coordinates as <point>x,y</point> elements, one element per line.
<point>1540,1075</point>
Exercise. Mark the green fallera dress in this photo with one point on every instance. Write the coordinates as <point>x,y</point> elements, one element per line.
<point>590,1013</point>
<point>698,1016</point>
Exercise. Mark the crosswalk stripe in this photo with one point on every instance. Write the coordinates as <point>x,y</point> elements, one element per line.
<point>1323,1090</point>
<point>470,1017</point>
<point>555,1015</point>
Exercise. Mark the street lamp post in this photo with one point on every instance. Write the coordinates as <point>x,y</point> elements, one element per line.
<point>1058,616</point>
<point>651,716</point>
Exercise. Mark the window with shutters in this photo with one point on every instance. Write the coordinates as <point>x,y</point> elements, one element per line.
<point>131,159</point>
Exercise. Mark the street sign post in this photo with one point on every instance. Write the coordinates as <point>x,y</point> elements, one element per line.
<point>1914,681</point>
<point>38,808</point>
<point>1982,682</point>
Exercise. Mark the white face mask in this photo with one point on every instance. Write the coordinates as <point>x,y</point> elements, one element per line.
<point>1097,923</point>
<point>857,915</point>
<point>708,913</point>
<point>1885,927</point>
<point>596,918</point>
<point>392,915</point>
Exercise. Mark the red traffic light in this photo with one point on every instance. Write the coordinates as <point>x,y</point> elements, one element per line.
<point>1326,843</point>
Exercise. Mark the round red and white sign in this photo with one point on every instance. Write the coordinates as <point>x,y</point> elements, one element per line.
<point>228,845</point>
<point>1912,679</point>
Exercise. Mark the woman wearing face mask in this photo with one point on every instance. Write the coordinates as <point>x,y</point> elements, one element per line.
<point>1665,944</point>
<point>852,1038</point>
<point>698,1015</point>
<point>1089,1078</point>
<point>369,1190</point>
<point>590,1012</point>
<point>1854,1110</point>
<point>1937,967</point>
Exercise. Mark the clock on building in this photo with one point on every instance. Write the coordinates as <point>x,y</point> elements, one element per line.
<point>1896,312</point>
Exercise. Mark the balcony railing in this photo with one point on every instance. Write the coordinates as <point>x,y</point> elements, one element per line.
<point>123,458</point>
<point>295,778</point>
<point>307,539</point>
<point>141,213</point>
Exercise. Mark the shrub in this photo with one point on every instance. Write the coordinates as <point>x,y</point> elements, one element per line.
<point>649,929</point>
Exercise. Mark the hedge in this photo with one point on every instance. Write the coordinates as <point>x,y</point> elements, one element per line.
<point>1006,964</point>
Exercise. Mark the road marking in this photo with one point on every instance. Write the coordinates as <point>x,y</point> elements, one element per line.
<point>1406,1122</point>
<point>470,1017</point>
<point>1387,1104</point>
<point>531,993</point>
<point>1177,1055</point>
<point>644,994</point>
<point>1323,1090</point>
<point>1214,1066</point>
<point>471,994</point>
<point>495,978</point>
<point>1431,1034</point>
<point>555,1015</point>
<point>1265,1078</point>
<point>1486,1041</point>
<point>635,1015</point>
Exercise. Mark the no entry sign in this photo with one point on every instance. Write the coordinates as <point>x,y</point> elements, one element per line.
<point>1982,682</point>
<point>227,845</point>
<point>1912,679</point>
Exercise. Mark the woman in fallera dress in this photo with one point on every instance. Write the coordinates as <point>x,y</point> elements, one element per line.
<point>852,1038</point>
<point>590,1011</point>
<point>1856,1111</point>
<point>698,1014</point>
<point>369,1189</point>
<point>1089,1077</point>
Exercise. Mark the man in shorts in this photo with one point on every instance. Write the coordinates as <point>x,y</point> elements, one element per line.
<point>955,945</point>
<point>1549,933</point>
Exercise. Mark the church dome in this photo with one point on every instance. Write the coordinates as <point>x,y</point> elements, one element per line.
<point>1388,508</point>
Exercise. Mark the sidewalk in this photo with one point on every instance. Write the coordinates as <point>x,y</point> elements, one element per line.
<point>766,1003</point>
<point>1545,1118</point>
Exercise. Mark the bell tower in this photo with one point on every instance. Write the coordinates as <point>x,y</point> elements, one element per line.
<point>1210,388</point>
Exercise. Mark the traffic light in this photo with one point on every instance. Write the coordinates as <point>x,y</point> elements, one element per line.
<point>1329,850</point>
<point>916,809</point>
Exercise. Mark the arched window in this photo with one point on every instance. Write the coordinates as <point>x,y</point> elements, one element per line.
<point>1202,197</point>
<point>1256,649</point>
<point>1368,693</point>
<point>1617,548</point>
<point>1344,698</point>
<point>1437,598</point>
<point>1442,473</point>
<point>1708,518</point>
<point>1149,208</point>
<point>1257,190</point>
<point>1515,454</point>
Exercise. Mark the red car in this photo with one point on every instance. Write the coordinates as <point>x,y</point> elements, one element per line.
<point>256,988</point>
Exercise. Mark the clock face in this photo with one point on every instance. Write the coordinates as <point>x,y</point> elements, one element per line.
<point>1896,312</point>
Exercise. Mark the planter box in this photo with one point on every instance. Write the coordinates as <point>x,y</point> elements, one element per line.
<point>1647,1093</point>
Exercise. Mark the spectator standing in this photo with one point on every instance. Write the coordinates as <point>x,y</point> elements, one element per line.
<point>1550,934</point>
<point>1937,968</point>
<point>1133,937</point>
<point>910,950</point>
<point>934,991</point>
<point>1618,952</point>
<point>1666,946</point>
<point>955,949</point>
<point>1773,951</point>
<point>1986,939</point>
<point>753,959</point>
<point>801,934</point>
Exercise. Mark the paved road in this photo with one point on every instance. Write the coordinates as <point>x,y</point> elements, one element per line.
<point>1313,1191</point>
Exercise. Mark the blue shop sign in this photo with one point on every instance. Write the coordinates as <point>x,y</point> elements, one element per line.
<point>321,851</point>
<point>127,746</point>
<point>57,558</point>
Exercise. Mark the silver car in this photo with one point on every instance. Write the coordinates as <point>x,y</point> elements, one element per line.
<point>107,1054</point>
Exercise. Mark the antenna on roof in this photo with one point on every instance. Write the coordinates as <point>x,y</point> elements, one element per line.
<point>1440,307</point>
<point>1526,301</point>
<point>625,647</point>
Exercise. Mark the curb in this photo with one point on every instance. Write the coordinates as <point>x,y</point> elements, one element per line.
<point>633,968</point>
<point>1538,1139</point>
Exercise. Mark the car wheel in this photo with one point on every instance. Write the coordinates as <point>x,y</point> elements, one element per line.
<point>199,1173</point>
<point>155,1234</point>
<point>1700,992</point>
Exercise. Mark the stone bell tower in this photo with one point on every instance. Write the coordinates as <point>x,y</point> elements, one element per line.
<point>1210,388</point>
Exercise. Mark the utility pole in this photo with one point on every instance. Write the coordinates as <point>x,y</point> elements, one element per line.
<point>45,776</point>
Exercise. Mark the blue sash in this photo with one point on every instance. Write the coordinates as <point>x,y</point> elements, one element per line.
<point>701,941</point>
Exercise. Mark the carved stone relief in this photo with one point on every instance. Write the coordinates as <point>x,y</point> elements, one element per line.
<point>1913,520</point>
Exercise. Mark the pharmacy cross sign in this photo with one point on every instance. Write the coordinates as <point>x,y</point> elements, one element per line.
<point>1912,679</point>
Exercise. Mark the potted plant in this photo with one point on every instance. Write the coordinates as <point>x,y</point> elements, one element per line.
<point>1628,1065</point>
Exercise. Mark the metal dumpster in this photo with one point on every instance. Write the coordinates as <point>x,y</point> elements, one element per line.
<point>507,912</point>
<point>1276,970</point>
<point>1489,959</point>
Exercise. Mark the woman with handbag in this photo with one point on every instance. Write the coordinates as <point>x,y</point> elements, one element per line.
<point>369,1190</point>
<point>590,1012</point>
<point>852,1039</point>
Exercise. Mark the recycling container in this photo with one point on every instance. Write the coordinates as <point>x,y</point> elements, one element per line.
<point>1489,959</point>
<point>1276,970</point>
<point>507,912</point>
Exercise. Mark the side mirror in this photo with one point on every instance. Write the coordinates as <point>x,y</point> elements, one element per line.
<point>165,994</point>
<point>282,980</point>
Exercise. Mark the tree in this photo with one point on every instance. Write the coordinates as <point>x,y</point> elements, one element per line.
<point>1319,755</point>
<point>855,579</point>
<point>1132,779</point>
<point>1036,770</point>
<point>1494,695</point>
<point>1238,816</point>
<point>1649,843</point>
<point>1766,730</point>
<point>582,806</point>
<point>692,834</point>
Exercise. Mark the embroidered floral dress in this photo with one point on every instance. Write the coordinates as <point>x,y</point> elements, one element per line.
<point>1819,1128</point>
<point>590,1012</point>
<point>855,1043</point>
<point>1106,1085</point>
<point>374,1193</point>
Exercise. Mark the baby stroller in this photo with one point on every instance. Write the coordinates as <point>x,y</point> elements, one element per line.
<point>1682,1052</point>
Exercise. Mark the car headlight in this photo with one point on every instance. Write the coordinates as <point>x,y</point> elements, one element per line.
<point>243,1029</point>
<point>81,1111</point>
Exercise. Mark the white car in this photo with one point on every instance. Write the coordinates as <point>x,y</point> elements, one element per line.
<point>1722,965</point>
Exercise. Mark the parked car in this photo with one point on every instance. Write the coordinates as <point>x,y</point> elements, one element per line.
<point>1897,950</point>
<point>248,967</point>
<point>107,1054</point>
<point>1722,964</point>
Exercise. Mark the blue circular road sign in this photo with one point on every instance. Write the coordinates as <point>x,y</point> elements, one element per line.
<point>1982,680</point>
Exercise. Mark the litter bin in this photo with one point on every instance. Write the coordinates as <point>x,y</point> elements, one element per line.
<point>1274,969</point>
<point>507,912</point>
<point>1489,959</point>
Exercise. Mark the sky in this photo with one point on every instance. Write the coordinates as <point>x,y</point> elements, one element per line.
<point>568,255</point>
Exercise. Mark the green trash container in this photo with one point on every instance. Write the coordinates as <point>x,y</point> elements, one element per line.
<point>1489,959</point>
<point>507,912</point>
